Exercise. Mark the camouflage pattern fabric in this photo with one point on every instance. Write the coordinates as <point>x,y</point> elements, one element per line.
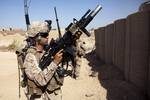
<point>37,27</point>
<point>37,78</point>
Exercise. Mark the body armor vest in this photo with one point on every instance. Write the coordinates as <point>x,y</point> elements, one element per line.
<point>55,82</point>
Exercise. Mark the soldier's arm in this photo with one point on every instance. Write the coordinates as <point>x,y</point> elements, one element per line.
<point>34,73</point>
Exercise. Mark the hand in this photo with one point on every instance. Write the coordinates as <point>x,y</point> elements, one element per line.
<point>58,56</point>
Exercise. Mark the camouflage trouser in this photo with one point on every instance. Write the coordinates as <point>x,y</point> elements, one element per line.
<point>56,95</point>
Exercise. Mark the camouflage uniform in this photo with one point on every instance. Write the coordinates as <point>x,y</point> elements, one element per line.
<point>79,52</point>
<point>41,85</point>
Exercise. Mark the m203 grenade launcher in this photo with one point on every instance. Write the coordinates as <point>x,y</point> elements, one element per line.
<point>67,41</point>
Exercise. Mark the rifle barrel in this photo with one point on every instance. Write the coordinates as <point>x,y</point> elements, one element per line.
<point>57,23</point>
<point>26,14</point>
<point>86,14</point>
<point>96,10</point>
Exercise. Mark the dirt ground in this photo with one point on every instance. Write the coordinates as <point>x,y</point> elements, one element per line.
<point>85,88</point>
<point>97,81</point>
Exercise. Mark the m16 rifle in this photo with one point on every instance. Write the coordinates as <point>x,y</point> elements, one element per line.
<point>66,42</point>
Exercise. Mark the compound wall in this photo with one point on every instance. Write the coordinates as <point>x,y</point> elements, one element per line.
<point>127,47</point>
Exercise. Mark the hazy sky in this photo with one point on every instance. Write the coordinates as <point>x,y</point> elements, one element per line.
<point>12,11</point>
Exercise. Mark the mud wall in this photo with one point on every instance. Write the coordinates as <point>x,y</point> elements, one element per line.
<point>100,42</point>
<point>127,47</point>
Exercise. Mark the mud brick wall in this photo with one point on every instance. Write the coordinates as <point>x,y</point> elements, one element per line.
<point>137,45</point>
<point>119,43</point>
<point>97,43</point>
<point>109,31</point>
<point>100,43</point>
<point>127,46</point>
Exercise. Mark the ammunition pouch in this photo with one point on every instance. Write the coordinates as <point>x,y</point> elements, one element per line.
<point>55,83</point>
<point>23,84</point>
<point>24,79</point>
<point>33,89</point>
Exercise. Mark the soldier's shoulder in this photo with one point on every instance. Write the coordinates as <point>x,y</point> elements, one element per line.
<point>32,50</point>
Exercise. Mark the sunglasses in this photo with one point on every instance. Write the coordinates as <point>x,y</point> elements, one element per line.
<point>44,35</point>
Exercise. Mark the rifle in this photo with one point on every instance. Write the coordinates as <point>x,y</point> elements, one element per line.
<point>26,14</point>
<point>22,52</point>
<point>67,40</point>
<point>57,23</point>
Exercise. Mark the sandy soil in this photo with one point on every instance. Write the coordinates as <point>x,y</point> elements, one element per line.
<point>85,88</point>
<point>97,80</point>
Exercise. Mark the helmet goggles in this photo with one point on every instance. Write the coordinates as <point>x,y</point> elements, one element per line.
<point>44,34</point>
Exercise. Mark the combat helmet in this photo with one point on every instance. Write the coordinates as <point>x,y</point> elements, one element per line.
<point>37,27</point>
